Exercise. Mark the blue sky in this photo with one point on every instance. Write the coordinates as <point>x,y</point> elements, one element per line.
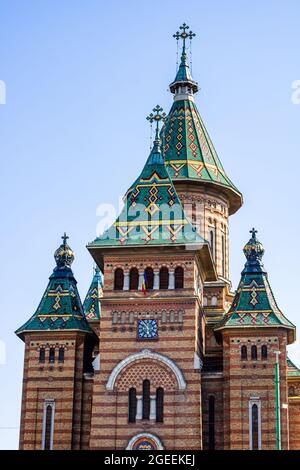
<point>80,78</point>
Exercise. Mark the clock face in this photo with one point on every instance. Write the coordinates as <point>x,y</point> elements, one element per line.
<point>147,329</point>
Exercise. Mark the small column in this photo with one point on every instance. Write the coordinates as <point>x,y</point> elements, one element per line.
<point>171,279</point>
<point>153,407</point>
<point>141,278</point>
<point>139,407</point>
<point>156,279</point>
<point>126,280</point>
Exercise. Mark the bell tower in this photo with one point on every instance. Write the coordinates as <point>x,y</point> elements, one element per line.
<point>147,386</point>
<point>207,194</point>
<point>56,338</point>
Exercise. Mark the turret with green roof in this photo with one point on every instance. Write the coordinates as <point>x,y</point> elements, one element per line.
<point>92,303</point>
<point>254,304</point>
<point>152,214</point>
<point>188,151</point>
<point>60,307</point>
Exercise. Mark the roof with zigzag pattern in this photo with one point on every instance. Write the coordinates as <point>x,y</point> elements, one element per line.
<point>254,304</point>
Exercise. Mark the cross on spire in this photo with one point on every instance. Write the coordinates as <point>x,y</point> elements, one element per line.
<point>184,35</point>
<point>65,238</point>
<point>157,117</point>
<point>254,232</point>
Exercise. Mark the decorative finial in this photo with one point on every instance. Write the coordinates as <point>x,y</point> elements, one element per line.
<point>254,251</point>
<point>184,35</point>
<point>157,117</point>
<point>64,255</point>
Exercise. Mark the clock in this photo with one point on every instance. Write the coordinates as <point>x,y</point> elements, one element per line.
<point>147,329</point>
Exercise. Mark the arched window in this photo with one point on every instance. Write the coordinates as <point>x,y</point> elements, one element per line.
<point>149,278</point>
<point>163,278</point>
<point>194,214</point>
<point>223,256</point>
<point>51,355</point>
<point>179,277</point>
<point>42,355</point>
<point>254,353</point>
<point>119,279</point>
<point>160,405</point>
<point>134,279</point>
<point>48,425</point>
<point>254,425</point>
<point>214,301</point>
<point>264,352</point>
<point>244,354</point>
<point>146,399</point>
<point>61,354</point>
<point>211,423</point>
<point>212,242</point>
<point>132,405</point>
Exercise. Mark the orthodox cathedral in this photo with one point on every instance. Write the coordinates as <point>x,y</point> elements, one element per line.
<point>162,354</point>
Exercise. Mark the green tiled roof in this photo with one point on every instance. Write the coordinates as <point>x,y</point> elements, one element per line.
<point>152,214</point>
<point>189,152</point>
<point>254,304</point>
<point>293,370</point>
<point>60,307</point>
<point>92,303</point>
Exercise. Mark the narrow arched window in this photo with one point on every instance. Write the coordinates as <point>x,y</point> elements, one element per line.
<point>160,405</point>
<point>244,353</point>
<point>254,353</point>
<point>211,423</point>
<point>119,279</point>
<point>149,278</point>
<point>179,277</point>
<point>51,355</point>
<point>42,355</point>
<point>146,399</point>
<point>212,242</point>
<point>254,426</point>
<point>164,278</point>
<point>223,256</point>
<point>264,352</point>
<point>132,405</point>
<point>48,425</point>
<point>61,354</point>
<point>194,214</point>
<point>134,279</point>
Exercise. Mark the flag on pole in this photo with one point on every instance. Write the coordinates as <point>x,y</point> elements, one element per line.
<point>144,284</point>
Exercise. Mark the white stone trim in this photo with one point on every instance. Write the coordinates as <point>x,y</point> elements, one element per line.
<point>48,402</point>
<point>146,354</point>
<point>255,401</point>
<point>147,435</point>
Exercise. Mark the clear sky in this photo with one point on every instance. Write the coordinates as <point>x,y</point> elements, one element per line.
<point>80,78</point>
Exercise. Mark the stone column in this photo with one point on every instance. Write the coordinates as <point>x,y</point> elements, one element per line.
<point>171,279</point>
<point>139,407</point>
<point>156,279</point>
<point>126,280</point>
<point>141,278</point>
<point>153,407</point>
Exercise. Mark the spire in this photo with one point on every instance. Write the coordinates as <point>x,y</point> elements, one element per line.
<point>60,307</point>
<point>184,85</point>
<point>254,305</point>
<point>91,304</point>
<point>188,150</point>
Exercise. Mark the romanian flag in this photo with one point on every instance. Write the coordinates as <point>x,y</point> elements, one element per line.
<point>144,284</point>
